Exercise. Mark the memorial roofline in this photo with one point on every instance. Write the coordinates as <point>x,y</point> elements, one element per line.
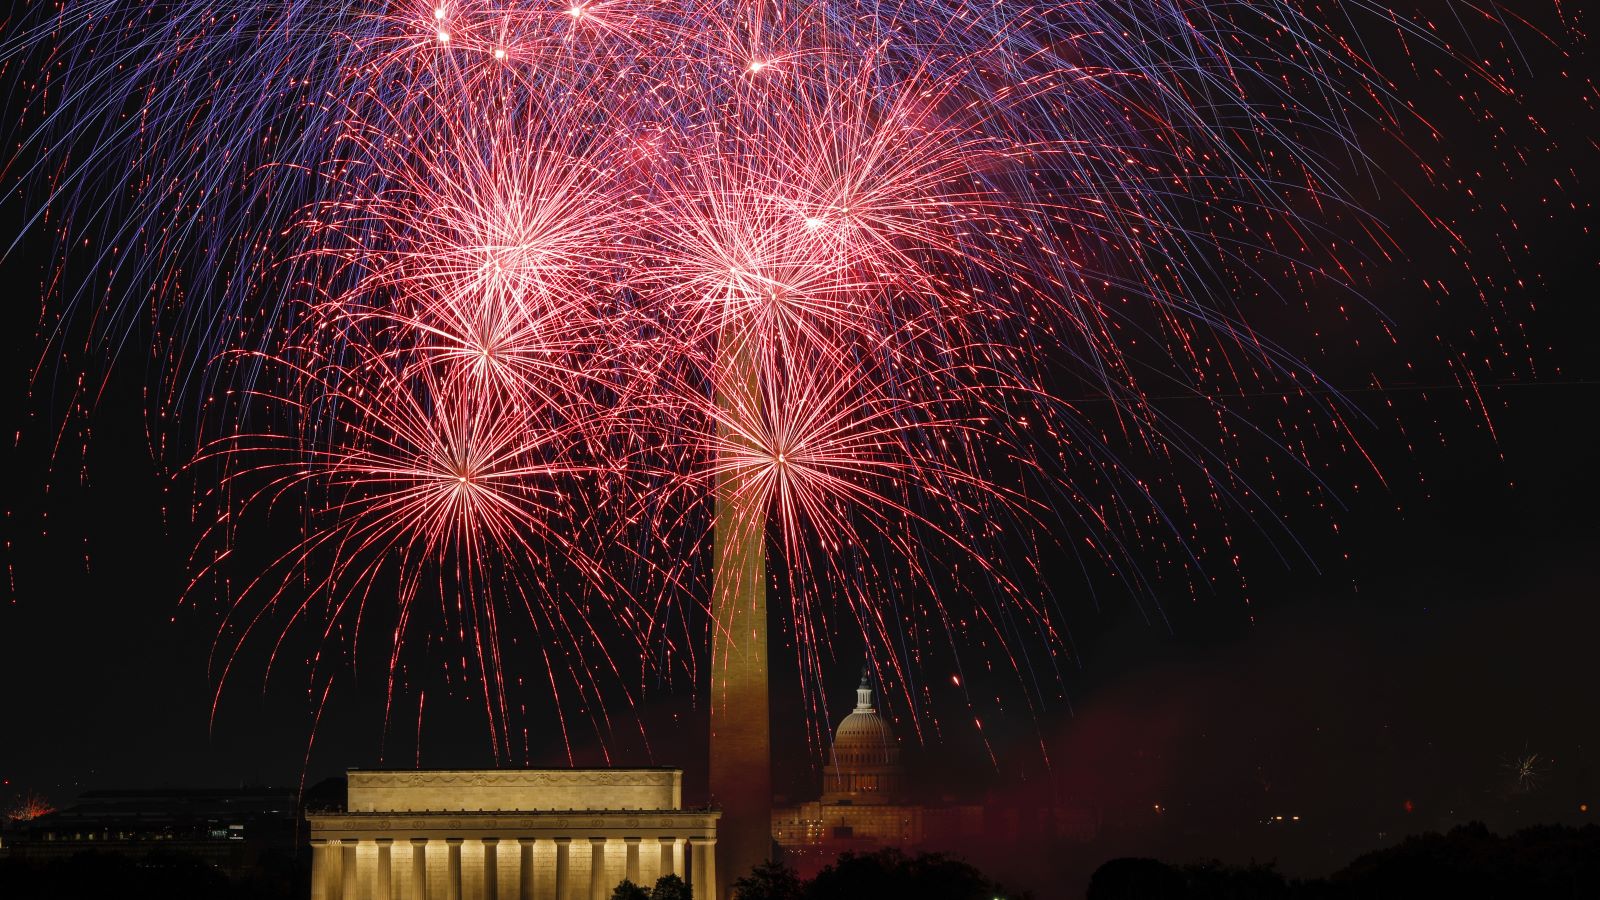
<point>517,771</point>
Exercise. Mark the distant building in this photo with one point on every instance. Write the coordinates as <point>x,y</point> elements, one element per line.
<point>538,834</point>
<point>865,803</point>
<point>227,828</point>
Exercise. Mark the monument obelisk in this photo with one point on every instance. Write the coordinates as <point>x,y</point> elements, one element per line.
<point>741,744</point>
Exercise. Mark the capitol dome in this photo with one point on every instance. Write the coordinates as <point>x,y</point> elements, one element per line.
<point>865,762</point>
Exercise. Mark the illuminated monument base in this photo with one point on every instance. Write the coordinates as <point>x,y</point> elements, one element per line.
<point>550,834</point>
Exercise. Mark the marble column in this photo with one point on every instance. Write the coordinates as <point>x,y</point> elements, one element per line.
<point>491,869</point>
<point>321,871</point>
<point>667,867</point>
<point>633,859</point>
<point>563,867</point>
<point>419,869</point>
<point>597,868</point>
<point>680,849</point>
<point>347,869</point>
<point>525,869</point>
<point>697,871</point>
<point>452,871</point>
<point>711,867</point>
<point>381,888</point>
<point>704,881</point>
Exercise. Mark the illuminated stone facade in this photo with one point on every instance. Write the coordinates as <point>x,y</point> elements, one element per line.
<point>545,834</point>
<point>863,803</point>
<point>865,763</point>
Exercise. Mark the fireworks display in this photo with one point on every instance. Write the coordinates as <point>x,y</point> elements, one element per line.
<point>28,807</point>
<point>486,297</point>
<point>1525,771</point>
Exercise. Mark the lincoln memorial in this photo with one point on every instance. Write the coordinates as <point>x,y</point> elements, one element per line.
<point>535,834</point>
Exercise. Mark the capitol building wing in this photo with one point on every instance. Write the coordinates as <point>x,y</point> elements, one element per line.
<point>544,834</point>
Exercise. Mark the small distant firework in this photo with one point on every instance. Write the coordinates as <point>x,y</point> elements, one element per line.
<point>30,806</point>
<point>1525,771</point>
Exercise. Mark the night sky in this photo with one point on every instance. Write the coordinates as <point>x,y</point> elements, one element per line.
<point>1382,683</point>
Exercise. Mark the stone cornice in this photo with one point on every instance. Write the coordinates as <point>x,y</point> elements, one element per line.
<point>541,777</point>
<point>533,824</point>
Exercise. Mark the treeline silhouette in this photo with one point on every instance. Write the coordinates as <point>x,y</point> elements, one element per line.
<point>1468,863</point>
<point>872,876</point>
<point>157,874</point>
<point>1553,862</point>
